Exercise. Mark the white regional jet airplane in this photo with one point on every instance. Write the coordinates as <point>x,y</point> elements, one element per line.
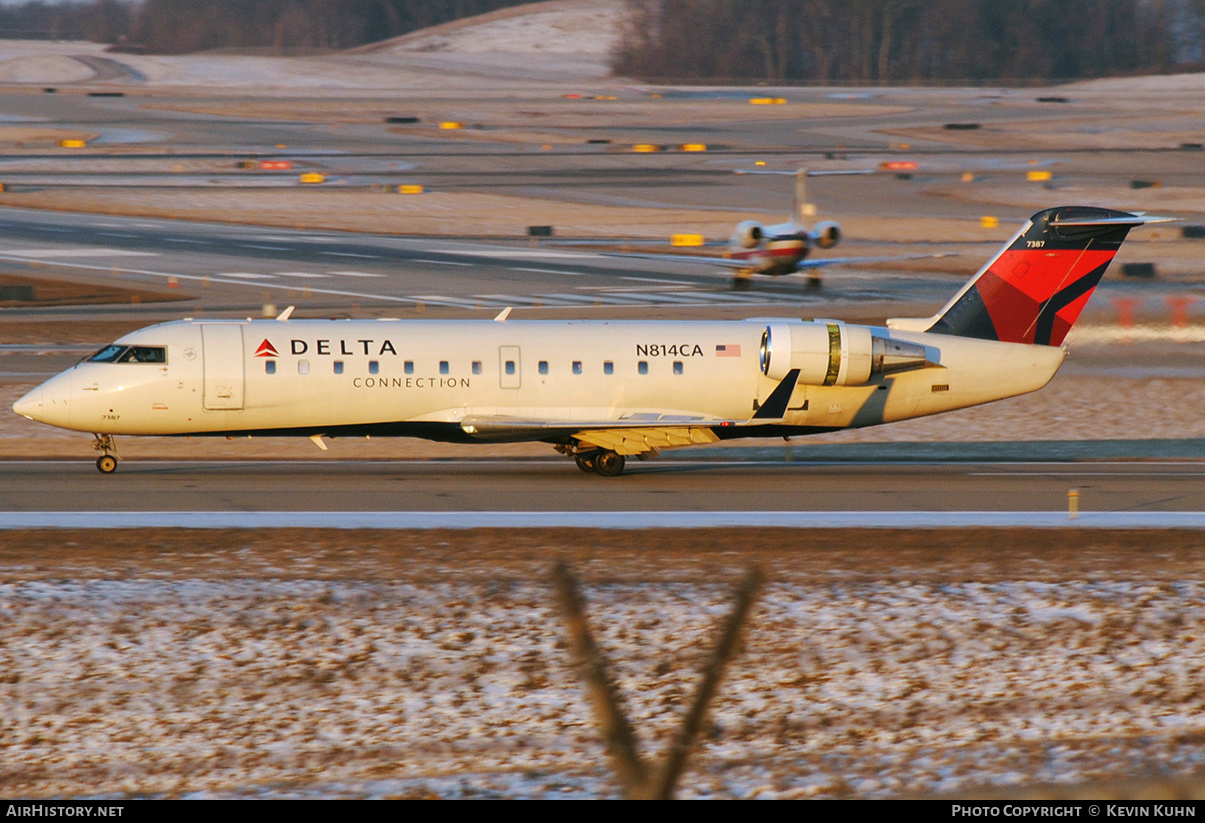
<point>783,248</point>
<point>597,391</point>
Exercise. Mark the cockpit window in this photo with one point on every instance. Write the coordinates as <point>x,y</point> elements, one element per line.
<point>130,354</point>
<point>144,354</point>
<point>107,355</point>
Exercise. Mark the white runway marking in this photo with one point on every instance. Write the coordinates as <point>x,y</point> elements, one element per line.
<point>351,254</point>
<point>276,238</point>
<point>91,252</point>
<point>493,300</point>
<point>505,254</point>
<point>234,279</point>
<point>439,299</point>
<point>356,274</point>
<point>246,275</point>
<point>651,280</point>
<point>550,271</point>
<point>617,520</point>
<point>302,274</point>
<point>440,262</point>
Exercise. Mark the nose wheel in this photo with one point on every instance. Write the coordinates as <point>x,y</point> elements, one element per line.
<point>107,462</point>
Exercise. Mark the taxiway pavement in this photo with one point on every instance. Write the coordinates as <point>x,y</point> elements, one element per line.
<point>679,485</point>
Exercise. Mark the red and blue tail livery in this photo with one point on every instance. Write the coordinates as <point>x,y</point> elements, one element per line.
<point>1035,288</point>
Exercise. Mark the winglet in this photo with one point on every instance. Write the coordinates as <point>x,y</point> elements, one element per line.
<point>502,315</point>
<point>775,407</point>
<point>286,314</point>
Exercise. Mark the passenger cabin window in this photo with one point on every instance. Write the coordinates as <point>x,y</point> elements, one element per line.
<point>476,367</point>
<point>303,366</point>
<point>642,367</point>
<point>130,354</point>
<point>443,367</point>
<point>269,367</point>
<point>374,367</point>
<point>577,367</point>
<point>677,367</point>
<point>408,366</point>
<point>338,367</point>
<point>543,367</point>
<point>608,367</point>
<point>510,366</point>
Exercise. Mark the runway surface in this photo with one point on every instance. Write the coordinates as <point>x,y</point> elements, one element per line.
<point>236,269</point>
<point>294,491</point>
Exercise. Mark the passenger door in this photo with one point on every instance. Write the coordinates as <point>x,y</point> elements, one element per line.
<point>222,353</point>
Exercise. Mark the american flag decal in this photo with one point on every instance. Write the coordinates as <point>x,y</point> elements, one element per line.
<point>728,351</point>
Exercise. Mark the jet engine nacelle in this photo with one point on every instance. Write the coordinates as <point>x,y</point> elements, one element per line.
<point>826,234</point>
<point>831,353</point>
<point>748,234</point>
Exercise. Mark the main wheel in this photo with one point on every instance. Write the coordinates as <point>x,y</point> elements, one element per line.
<point>585,461</point>
<point>106,463</point>
<point>608,463</point>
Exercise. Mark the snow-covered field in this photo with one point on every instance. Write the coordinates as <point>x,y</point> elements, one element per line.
<point>236,664</point>
<point>553,42</point>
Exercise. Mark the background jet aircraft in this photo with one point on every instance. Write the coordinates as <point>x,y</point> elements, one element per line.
<point>784,248</point>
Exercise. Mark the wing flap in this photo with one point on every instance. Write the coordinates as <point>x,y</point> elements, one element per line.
<point>638,441</point>
<point>626,437</point>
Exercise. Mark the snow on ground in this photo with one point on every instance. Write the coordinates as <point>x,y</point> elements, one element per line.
<point>442,671</point>
<point>555,42</point>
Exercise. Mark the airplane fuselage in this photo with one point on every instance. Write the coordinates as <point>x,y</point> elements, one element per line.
<point>463,380</point>
<point>776,250</point>
<point>778,253</point>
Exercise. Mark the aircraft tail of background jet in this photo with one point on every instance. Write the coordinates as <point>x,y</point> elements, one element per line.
<point>1034,289</point>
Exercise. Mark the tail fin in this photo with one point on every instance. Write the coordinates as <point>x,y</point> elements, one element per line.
<point>801,197</point>
<point>1036,287</point>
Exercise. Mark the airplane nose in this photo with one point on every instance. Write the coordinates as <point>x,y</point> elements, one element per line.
<point>30,405</point>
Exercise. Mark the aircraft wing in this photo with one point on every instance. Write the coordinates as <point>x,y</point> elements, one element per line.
<point>853,261</point>
<point>624,436</point>
<point>634,434</point>
<point>812,263</point>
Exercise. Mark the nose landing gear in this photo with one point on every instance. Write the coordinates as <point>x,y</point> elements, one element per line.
<point>107,462</point>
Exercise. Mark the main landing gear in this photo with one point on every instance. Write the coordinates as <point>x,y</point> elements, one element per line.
<point>107,462</point>
<point>597,461</point>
